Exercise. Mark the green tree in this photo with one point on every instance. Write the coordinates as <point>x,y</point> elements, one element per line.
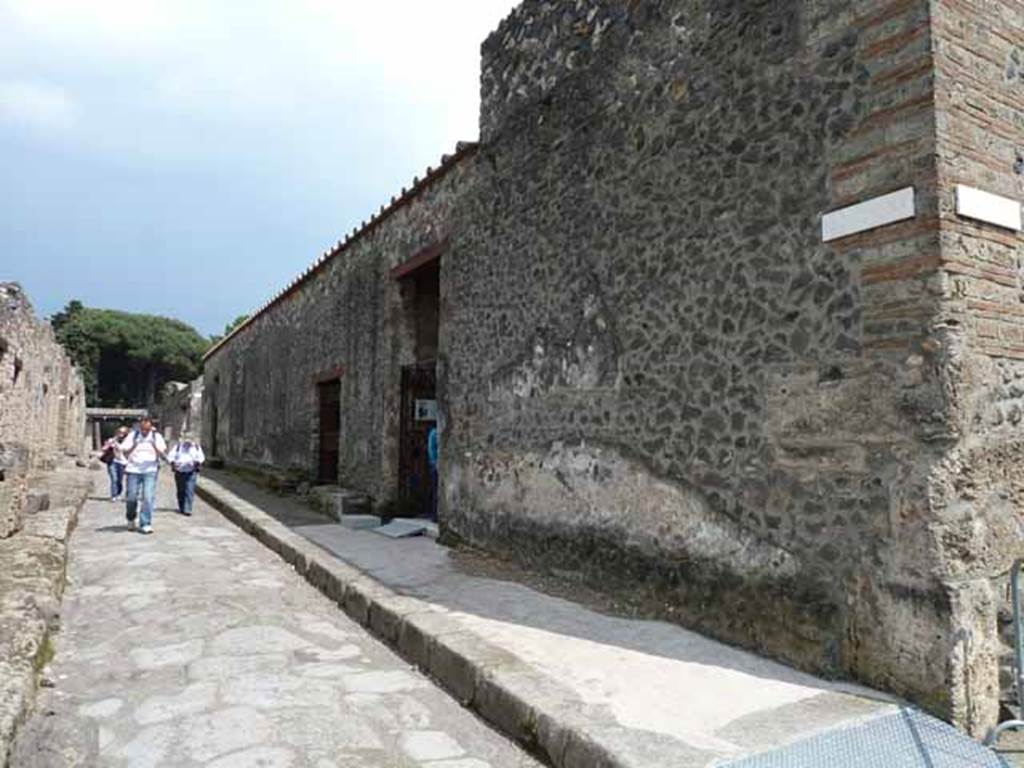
<point>126,357</point>
<point>235,323</point>
<point>62,318</point>
<point>215,338</point>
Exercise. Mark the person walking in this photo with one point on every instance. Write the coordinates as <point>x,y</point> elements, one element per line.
<point>186,459</point>
<point>143,448</point>
<point>112,455</point>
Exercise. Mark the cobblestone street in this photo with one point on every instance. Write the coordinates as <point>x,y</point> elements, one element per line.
<point>198,647</point>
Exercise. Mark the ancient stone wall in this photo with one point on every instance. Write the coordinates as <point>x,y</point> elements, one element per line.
<point>350,319</point>
<point>42,402</point>
<point>654,372</point>
<point>180,409</point>
<point>677,389</point>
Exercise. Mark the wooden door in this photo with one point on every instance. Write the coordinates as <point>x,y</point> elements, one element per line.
<point>329,395</point>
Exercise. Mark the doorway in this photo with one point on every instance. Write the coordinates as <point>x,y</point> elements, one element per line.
<point>419,415</point>
<point>420,281</point>
<point>329,398</point>
<point>213,430</point>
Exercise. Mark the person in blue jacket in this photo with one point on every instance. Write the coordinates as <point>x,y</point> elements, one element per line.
<point>432,456</point>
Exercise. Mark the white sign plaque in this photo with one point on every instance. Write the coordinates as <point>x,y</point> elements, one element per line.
<point>973,203</point>
<point>426,410</point>
<point>870,214</point>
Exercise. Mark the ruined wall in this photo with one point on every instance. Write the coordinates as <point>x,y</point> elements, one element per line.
<point>349,317</point>
<point>42,402</point>
<point>658,375</point>
<point>180,409</point>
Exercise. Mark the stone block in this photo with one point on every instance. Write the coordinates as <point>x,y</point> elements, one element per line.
<point>53,524</point>
<point>387,614</point>
<point>11,502</point>
<point>339,502</point>
<point>414,643</point>
<point>14,459</point>
<point>360,522</point>
<point>37,501</point>
<point>452,662</point>
<point>507,708</point>
<point>356,603</point>
<point>402,529</point>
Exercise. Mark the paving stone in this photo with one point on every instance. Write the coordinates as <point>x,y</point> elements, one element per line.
<point>257,757</point>
<point>163,660</point>
<point>197,697</point>
<point>257,639</point>
<point>225,731</point>
<point>430,745</point>
<point>382,682</point>
<point>173,655</point>
<point>101,709</point>
<point>220,668</point>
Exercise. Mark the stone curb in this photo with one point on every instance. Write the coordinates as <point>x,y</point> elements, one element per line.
<point>50,529</point>
<point>519,702</point>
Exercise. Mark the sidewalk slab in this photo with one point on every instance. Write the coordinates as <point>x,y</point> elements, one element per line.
<point>578,687</point>
<point>401,529</point>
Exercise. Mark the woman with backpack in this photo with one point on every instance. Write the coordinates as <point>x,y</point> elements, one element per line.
<point>112,455</point>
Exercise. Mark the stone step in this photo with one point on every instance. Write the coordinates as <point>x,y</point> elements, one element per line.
<point>338,502</point>
<point>360,522</point>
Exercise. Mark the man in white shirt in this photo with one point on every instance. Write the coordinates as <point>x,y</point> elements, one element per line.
<point>142,448</point>
<point>186,458</point>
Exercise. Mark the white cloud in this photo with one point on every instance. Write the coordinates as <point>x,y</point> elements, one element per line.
<point>202,124</point>
<point>37,106</point>
<point>108,25</point>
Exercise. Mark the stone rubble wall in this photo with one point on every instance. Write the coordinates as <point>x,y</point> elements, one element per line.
<point>351,318</point>
<point>42,402</point>
<point>676,388</point>
<point>655,376</point>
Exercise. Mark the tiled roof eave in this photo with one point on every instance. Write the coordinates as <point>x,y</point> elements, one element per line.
<point>462,149</point>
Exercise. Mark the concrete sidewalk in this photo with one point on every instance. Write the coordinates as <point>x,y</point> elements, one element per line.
<point>579,687</point>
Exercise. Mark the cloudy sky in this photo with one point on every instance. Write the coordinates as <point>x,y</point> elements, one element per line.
<point>188,157</point>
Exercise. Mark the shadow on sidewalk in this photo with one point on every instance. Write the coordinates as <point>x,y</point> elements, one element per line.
<point>512,598</point>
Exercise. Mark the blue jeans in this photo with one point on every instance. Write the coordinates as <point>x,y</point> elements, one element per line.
<point>144,486</point>
<point>186,483</point>
<point>116,473</point>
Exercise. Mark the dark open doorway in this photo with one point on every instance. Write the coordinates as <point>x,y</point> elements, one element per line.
<point>213,447</point>
<point>329,397</point>
<point>419,415</point>
<point>418,397</point>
